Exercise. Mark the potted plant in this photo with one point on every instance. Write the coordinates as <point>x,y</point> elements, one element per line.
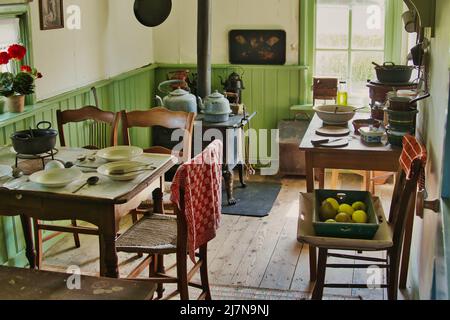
<point>17,83</point>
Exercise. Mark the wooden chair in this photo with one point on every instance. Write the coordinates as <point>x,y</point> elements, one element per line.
<point>323,89</point>
<point>389,237</point>
<point>160,117</point>
<point>64,117</point>
<point>88,113</point>
<point>158,235</point>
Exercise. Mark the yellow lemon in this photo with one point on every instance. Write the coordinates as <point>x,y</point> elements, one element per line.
<point>360,216</point>
<point>343,218</point>
<point>334,203</point>
<point>330,221</point>
<point>327,211</point>
<point>346,208</point>
<point>359,205</point>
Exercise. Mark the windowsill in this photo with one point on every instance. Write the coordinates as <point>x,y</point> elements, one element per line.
<point>9,117</point>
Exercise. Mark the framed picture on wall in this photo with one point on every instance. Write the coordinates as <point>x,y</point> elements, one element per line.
<point>257,47</point>
<point>51,14</point>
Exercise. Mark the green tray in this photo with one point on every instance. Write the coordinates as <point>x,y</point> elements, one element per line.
<point>346,230</point>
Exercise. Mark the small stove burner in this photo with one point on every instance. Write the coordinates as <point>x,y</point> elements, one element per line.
<point>43,156</point>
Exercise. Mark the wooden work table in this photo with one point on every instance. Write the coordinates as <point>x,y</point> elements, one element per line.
<point>357,156</point>
<point>26,284</point>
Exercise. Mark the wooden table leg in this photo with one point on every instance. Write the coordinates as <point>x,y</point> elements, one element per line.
<point>228,176</point>
<point>28,235</point>
<point>321,173</point>
<point>407,246</point>
<point>309,173</point>
<point>309,189</point>
<point>108,254</point>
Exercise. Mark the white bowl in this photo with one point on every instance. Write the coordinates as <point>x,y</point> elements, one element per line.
<point>56,178</point>
<point>335,114</point>
<point>125,166</point>
<point>5,171</point>
<point>120,153</point>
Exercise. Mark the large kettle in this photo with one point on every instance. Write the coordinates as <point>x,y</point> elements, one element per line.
<point>215,107</point>
<point>177,100</point>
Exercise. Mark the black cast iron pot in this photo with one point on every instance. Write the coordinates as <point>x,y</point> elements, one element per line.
<point>391,73</point>
<point>35,141</point>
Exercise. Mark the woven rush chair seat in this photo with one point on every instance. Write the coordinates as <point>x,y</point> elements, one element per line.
<point>306,233</point>
<point>155,234</point>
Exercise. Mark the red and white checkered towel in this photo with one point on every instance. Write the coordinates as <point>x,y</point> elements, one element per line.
<point>413,150</point>
<point>201,180</point>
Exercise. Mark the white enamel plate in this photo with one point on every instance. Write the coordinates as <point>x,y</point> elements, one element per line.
<point>56,178</point>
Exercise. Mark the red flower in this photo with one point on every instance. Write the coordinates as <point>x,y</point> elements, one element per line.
<point>4,57</point>
<point>39,75</point>
<point>26,69</point>
<point>16,51</point>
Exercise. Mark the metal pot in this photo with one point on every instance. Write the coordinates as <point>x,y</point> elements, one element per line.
<point>35,141</point>
<point>216,108</point>
<point>405,103</point>
<point>177,100</point>
<point>391,73</point>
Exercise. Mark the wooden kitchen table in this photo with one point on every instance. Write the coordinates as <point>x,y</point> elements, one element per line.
<point>26,284</point>
<point>356,156</point>
<point>103,205</point>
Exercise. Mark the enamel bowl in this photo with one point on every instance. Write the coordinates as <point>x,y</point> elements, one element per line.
<point>56,178</point>
<point>126,166</point>
<point>335,114</point>
<point>120,153</point>
<point>5,171</point>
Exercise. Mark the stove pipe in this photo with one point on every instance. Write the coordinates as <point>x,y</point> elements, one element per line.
<point>204,48</point>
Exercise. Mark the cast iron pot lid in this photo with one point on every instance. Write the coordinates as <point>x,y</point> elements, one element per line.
<point>152,13</point>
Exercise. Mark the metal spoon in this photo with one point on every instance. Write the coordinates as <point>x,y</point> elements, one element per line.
<point>90,181</point>
<point>68,165</point>
<point>17,173</point>
<point>92,156</point>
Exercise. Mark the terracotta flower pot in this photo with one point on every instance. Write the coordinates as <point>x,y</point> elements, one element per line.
<point>15,104</point>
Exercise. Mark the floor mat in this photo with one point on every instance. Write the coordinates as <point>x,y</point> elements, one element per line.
<point>256,200</point>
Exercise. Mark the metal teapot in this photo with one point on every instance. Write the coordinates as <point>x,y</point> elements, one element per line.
<point>215,107</point>
<point>177,100</point>
<point>233,83</point>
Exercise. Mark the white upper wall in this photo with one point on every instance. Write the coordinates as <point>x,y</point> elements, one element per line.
<point>129,44</point>
<point>109,42</point>
<point>175,41</point>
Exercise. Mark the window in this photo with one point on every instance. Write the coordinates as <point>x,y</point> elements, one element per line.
<point>15,28</point>
<point>350,34</point>
<point>9,34</point>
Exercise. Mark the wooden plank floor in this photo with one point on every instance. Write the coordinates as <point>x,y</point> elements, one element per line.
<point>247,252</point>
